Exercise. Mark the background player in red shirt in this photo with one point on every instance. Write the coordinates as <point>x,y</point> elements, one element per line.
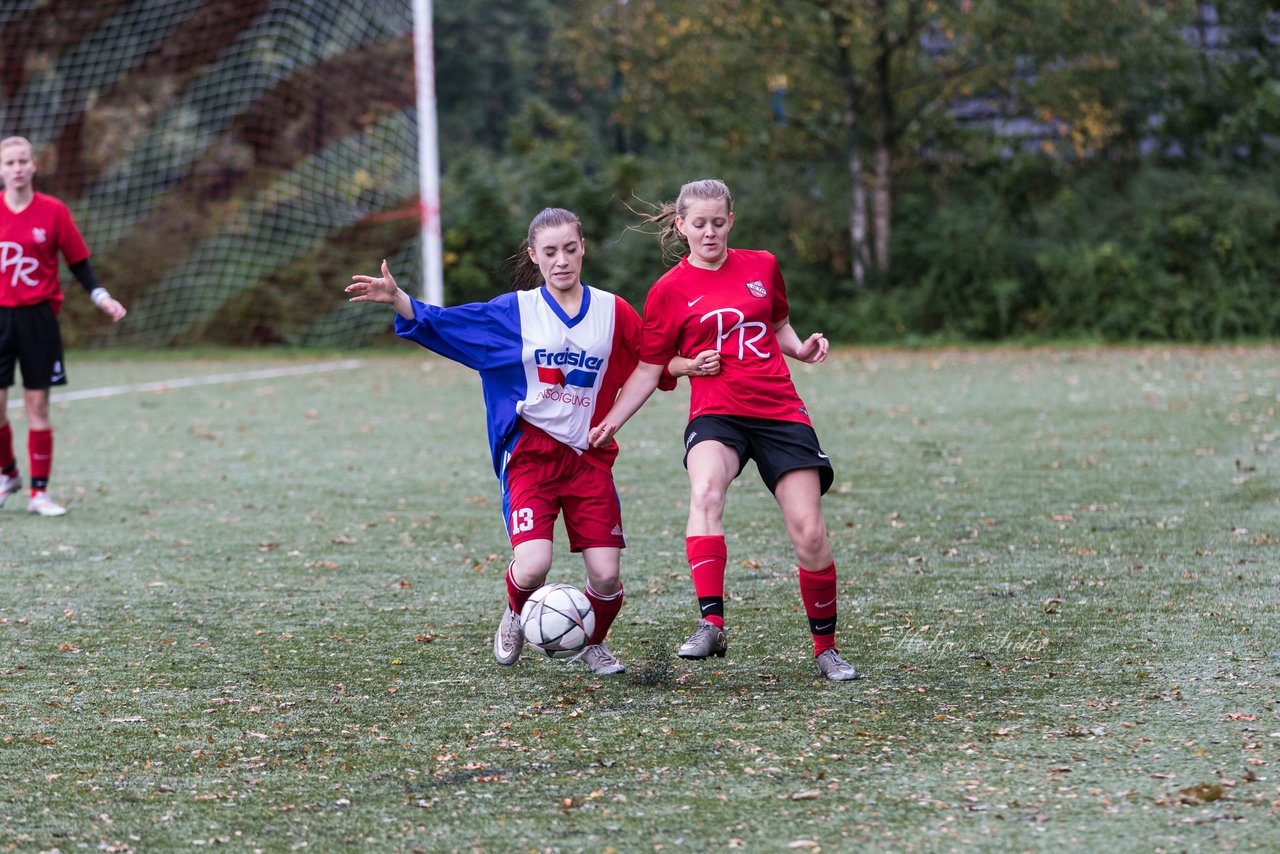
<point>726,310</point>
<point>34,229</point>
<point>551,355</point>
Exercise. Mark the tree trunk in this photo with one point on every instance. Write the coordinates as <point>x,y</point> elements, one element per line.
<point>883,199</point>
<point>858,194</point>
<point>884,137</point>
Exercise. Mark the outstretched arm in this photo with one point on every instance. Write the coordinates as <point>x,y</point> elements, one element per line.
<point>812,349</point>
<point>381,289</point>
<point>635,391</point>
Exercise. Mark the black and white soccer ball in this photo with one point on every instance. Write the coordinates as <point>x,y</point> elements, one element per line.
<point>558,620</point>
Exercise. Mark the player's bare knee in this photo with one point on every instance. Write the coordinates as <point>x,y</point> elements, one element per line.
<point>604,583</point>
<point>810,542</point>
<point>706,496</point>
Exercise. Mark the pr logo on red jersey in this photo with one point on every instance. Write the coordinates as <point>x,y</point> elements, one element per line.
<point>757,289</point>
<point>19,269</point>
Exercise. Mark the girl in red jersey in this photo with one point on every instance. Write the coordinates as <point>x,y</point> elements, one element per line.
<point>725,312</point>
<point>548,353</point>
<point>34,229</point>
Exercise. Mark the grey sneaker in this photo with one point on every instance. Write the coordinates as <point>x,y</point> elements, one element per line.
<point>601,661</point>
<point>707,640</point>
<point>832,665</point>
<point>8,486</point>
<point>508,640</point>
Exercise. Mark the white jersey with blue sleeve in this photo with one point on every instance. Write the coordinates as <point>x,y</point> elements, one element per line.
<point>536,363</point>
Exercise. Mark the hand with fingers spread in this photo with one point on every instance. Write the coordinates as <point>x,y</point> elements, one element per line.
<point>381,289</point>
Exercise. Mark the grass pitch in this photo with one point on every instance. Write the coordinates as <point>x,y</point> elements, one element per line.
<point>266,621</point>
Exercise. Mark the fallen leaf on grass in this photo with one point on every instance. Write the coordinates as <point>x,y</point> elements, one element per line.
<point>803,843</point>
<point>809,795</point>
<point>1201,793</point>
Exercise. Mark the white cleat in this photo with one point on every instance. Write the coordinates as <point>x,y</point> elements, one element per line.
<point>41,504</point>
<point>9,484</point>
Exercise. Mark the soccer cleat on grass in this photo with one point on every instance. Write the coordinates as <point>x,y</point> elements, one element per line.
<point>707,640</point>
<point>41,504</point>
<point>9,484</point>
<point>508,640</point>
<point>832,665</point>
<point>601,661</point>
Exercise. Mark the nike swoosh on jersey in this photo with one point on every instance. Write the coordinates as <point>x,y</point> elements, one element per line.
<point>694,302</point>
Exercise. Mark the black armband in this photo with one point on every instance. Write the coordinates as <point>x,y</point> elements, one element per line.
<point>84,275</point>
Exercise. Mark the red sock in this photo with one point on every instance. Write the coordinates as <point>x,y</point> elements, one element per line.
<point>707,557</point>
<point>606,608</point>
<point>818,592</point>
<point>7,460</point>
<point>40,450</point>
<point>516,595</point>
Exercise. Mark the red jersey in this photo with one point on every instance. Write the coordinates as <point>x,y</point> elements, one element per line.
<point>29,245</point>
<point>732,310</point>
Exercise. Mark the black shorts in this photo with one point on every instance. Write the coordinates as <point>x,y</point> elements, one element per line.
<point>29,336</point>
<point>777,447</point>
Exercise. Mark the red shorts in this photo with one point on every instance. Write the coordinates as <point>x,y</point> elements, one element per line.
<point>543,476</point>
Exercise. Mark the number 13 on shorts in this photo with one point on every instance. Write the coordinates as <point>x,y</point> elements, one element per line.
<point>521,520</point>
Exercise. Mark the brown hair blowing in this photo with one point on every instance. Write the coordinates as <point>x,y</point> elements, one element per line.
<point>674,244</point>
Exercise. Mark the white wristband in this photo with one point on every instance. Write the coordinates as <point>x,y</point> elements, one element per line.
<point>99,296</point>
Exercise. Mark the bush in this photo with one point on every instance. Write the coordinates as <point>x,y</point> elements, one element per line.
<point>1155,254</point>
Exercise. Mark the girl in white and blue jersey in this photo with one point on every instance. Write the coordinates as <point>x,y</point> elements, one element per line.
<point>552,355</point>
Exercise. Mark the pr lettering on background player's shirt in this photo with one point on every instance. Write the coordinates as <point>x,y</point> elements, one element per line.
<point>30,241</point>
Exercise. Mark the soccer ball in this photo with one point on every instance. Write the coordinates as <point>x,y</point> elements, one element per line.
<point>558,620</point>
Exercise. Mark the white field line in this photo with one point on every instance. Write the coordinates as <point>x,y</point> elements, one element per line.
<point>189,382</point>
